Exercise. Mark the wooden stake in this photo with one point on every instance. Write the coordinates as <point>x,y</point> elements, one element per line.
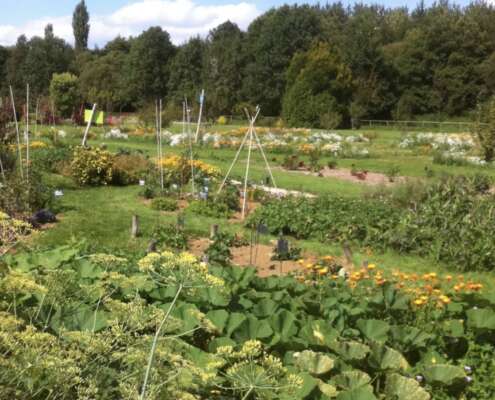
<point>135,227</point>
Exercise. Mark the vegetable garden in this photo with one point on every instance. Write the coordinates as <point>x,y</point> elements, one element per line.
<point>391,296</point>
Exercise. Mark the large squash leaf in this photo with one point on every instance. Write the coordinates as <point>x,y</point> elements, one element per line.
<point>385,358</point>
<point>399,387</point>
<point>443,374</point>
<point>314,363</point>
<point>373,329</point>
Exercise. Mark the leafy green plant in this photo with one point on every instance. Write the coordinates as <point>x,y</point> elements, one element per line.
<point>218,252</point>
<point>210,208</point>
<point>164,204</point>
<point>170,236</point>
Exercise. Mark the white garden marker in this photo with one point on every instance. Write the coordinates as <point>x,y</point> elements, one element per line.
<point>18,136</point>
<point>85,137</point>
<point>201,105</point>
<point>250,134</point>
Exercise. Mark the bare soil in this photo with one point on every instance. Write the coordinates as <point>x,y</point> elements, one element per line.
<point>363,177</point>
<point>258,257</point>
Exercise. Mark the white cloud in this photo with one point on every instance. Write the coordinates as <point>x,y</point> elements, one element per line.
<point>181,18</point>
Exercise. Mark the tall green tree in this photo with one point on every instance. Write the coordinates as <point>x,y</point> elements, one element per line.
<point>223,68</point>
<point>319,89</point>
<point>101,81</point>
<point>186,71</point>
<point>80,26</point>
<point>64,92</point>
<point>148,66</point>
<point>272,40</point>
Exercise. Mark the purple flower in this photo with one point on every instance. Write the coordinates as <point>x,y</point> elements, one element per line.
<point>419,378</point>
<point>468,369</point>
<point>469,379</point>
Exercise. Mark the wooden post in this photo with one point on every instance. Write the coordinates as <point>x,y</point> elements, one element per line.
<point>135,227</point>
<point>213,231</point>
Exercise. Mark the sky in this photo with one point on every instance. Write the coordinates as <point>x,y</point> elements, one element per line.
<point>109,18</point>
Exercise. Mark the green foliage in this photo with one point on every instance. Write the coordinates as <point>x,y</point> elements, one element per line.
<point>348,343</point>
<point>210,208</point>
<point>170,236</point>
<point>102,81</point>
<point>64,92</point>
<point>147,68</point>
<point>329,218</point>
<point>164,204</point>
<point>92,166</point>
<point>80,26</point>
<point>218,252</point>
<point>318,89</point>
<point>51,159</point>
<point>20,196</point>
<point>128,169</point>
<point>486,134</point>
<point>449,221</point>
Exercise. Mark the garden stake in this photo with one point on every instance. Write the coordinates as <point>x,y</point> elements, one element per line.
<point>26,137</point>
<point>191,154</point>
<point>85,137</point>
<point>201,104</point>
<point>17,132</point>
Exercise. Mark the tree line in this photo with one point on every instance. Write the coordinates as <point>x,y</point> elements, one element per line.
<point>315,66</point>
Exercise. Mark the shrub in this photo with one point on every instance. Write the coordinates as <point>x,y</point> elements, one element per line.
<point>229,196</point>
<point>128,169</point>
<point>222,120</point>
<point>19,196</point>
<point>51,159</point>
<point>164,204</point>
<point>92,166</point>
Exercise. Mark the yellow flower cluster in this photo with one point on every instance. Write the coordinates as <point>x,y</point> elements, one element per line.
<point>306,148</point>
<point>183,269</point>
<point>11,231</point>
<point>327,265</point>
<point>177,164</point>
<point>92,166</point>
<point>429,288</point>
<point>33,146</point>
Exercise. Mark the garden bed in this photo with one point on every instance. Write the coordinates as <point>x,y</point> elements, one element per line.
<point>363,177</point>
<point>260,256</point>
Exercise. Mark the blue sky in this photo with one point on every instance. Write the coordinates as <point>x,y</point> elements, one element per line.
<point>181,18</point>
